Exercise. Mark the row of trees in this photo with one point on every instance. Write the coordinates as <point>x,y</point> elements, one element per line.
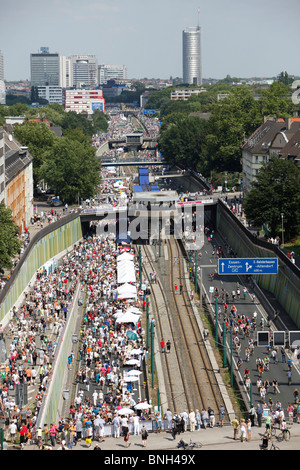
<point>275,195</point>
<point>214,144</point>
<point>68,165</point>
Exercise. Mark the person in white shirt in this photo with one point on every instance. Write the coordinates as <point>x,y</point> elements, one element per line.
<point>95,397</point>
<point>192,420</point>
<point>116,423</point>
<point>12,430</point>
<point>136,425</point>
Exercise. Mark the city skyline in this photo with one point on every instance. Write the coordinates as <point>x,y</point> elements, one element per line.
<point>258,38</point>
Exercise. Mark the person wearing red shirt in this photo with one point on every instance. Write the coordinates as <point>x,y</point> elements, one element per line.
<point>23,434</point>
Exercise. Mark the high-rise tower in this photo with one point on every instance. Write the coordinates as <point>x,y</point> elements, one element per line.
<point>44,68</point>
<point>192,57</point>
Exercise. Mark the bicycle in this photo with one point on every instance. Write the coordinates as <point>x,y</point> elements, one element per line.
<point>192,445</point>
<point>195,445</point>
<point>265,445</point>
<point>284,435</point>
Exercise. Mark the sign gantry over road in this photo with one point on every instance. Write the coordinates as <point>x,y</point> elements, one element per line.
<point>238,266</point>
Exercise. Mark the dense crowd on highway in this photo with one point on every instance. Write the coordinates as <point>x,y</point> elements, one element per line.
<point>112,352</point>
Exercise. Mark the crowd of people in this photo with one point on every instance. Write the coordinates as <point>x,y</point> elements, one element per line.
<point>31,338</point>
<point>111,351</point>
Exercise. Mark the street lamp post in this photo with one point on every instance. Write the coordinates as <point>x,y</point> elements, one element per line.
<point>282,229</point>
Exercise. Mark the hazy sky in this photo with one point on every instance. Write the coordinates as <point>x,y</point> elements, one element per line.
<point>243,38</point>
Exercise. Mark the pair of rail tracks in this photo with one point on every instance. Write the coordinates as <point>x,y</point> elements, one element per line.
<point>189,377</point>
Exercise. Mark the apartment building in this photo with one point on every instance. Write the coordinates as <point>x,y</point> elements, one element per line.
<point>18,180</point>
<point>185,94</point>
<point>273,138</point>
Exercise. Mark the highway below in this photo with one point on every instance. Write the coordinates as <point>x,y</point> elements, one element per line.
<point>249,308</point>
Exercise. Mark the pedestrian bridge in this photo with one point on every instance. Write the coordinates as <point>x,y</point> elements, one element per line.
<point>132,162</point>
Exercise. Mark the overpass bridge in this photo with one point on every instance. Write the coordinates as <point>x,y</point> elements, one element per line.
<point>132,162</point>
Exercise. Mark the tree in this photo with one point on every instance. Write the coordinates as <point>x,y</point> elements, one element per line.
<point>284,78</point>
<point>38,138</point>
<point>100,121</point>
<point>10,244</point>
<point>72,170</point>
<point>276,101</point>
<point>276,192</point>
<point>72,120</point>
<point>233,119</point>
<point>182,140</point>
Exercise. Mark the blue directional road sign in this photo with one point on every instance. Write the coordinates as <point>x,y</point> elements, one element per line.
<point>247,266</point>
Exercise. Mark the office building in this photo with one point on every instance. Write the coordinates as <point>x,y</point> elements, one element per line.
<point>191,53</point>
<point>2,84</point>
<point>53,94</point>
<point>65,73</point>
<point>45,68</point>
<point>1,67</point>
<point>111,72</point>
<point>84,101</point>
<point>84,71</point>
<point>2,167</point>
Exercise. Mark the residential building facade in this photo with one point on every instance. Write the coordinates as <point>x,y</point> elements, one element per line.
<point>185,94</point>
<point>18,174</point>
<point>271,139</point>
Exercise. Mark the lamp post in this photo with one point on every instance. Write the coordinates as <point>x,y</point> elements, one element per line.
<point>224,342</point>
<point>148,326</point>
<point>196,271</point>
<point>152,354</point>
<point>140,266</point>
<point>282,229</point>
<point>216,319</point>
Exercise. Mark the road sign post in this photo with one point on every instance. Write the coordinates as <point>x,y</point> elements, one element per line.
<point>247,266</point>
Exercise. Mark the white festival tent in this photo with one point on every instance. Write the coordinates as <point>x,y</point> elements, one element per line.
<point>126,272</point>
<point>134,372</point>
<point>142,406</point>
<point>127,291</point>
<point>125,257</point>
<point>128,317</point>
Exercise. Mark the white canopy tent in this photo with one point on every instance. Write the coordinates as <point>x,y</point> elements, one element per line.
<point>127,291</point>
<point>126,272</point>
<point>125,257</point>
<point>128,317</point>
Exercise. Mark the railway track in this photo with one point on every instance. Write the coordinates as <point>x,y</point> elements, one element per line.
<point>189,378</point>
